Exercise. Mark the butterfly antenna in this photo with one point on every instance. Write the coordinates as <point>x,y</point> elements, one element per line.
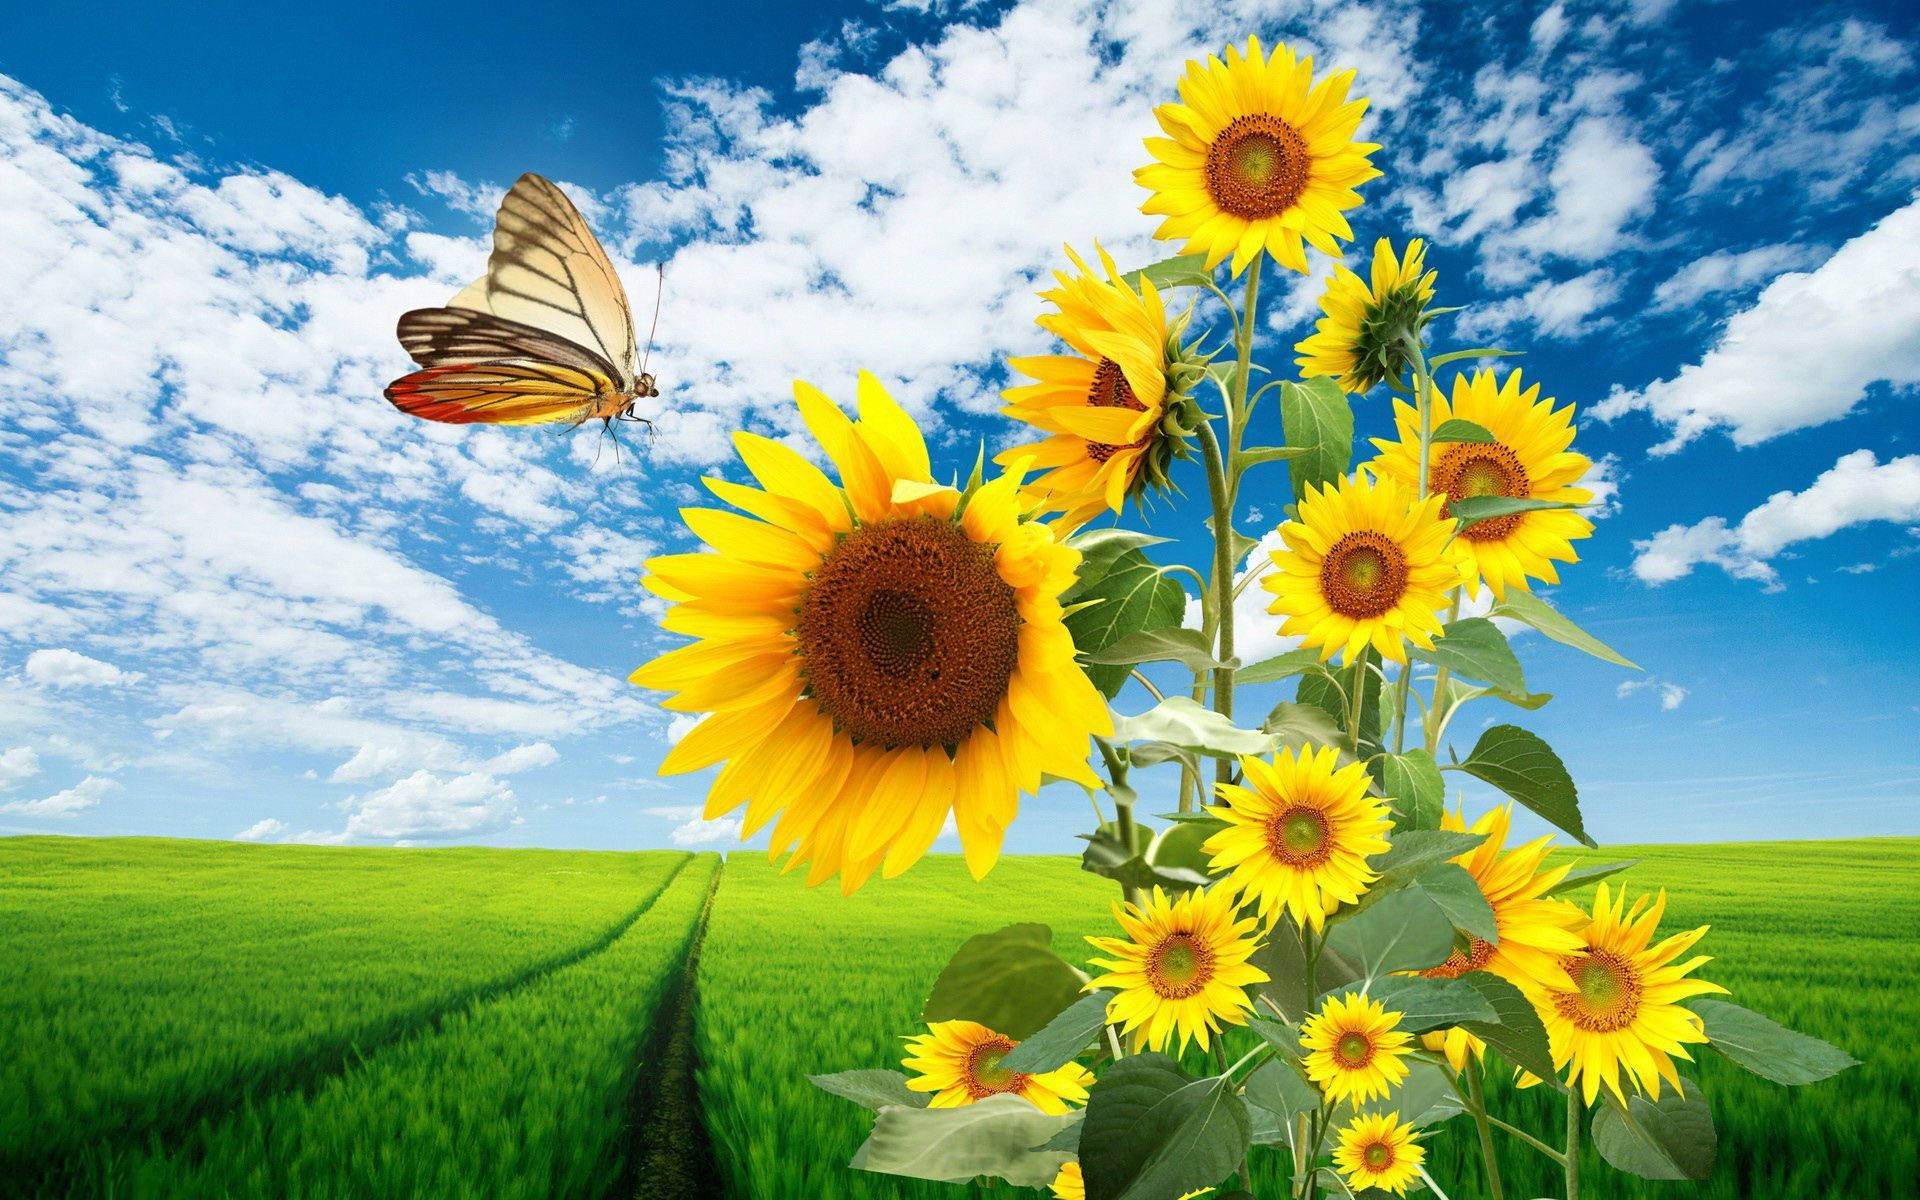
<point>659,291</point>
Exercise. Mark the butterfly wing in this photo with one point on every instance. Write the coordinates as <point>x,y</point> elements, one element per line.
<point>548,271</point>
<point>439,337</point>
<point>522,392</point>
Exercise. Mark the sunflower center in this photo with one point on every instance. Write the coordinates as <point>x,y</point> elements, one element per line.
<point>1257,167</point>
<point>1179,967</point>
<point>1607,995</point>
<point>985,1075</point>
<point>1378,1156</point>
<point>1300,836</point>
<point>1110,389</point>
<point>1470,469</point>
<point>1364,575</point>
<point>1354,1050</point>
<point>1458,963</point>
<point>908,635</point>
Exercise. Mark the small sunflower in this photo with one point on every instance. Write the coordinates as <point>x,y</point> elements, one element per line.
<point>1070,1185</point>
<point>1528,459</point>
<point>1364,563</point>
<point>1359,340</point>
<point>959,1062</point>
<point>1354,1049</point>
<point>1377,1150</point>
<point>1297,839</point>
<point>875,657</point>
<point>1257,157</point>
<point>1182,968</point>
<point>1621,1007</point>
<point>1113,409</point>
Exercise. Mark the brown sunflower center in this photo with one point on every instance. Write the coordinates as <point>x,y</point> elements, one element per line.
<point>1300,836</point>
<point>1606,995</point>
<point>1257,167</point>
<point>907,633</point>
<point>1378,1156</point>
<point>985,1075</point>
<point>1458,963</point>
<point>1354,1050</point>
<point>1110,389</point>
<point>1483,469</point>
<point>1364,575</point>
<point>1179,967</point>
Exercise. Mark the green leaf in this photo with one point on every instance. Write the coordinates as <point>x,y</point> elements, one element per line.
<point>1278,1087</point>
<point>1182,722</point>
<point>1063,1039</point>
<point>1767,1048</point>
<point>1580,877</point>
<point>1182,270</point>
<point>1099,548</point>
<point>1131,867</point>
<point>1516,1032</point>
<point>1011,981</point>
<point>1316,416</point>
<point>993,1137</point>
<point>1476,648</point>
<point>1456,429</point>
<point>1255,455</point>
<point>1131,596</point>
<point>1431,1003</point>
<point>1451,356</point>
<point>1170,644</point>
<point>1182,844</point>
<point>1424,1097</point>
<point>1151,754</point>
<point>1453,889</point>
<point>1531,609</point>
<point>1412,851</point>
<point>1402,931</point>
<point>1299,725</point>
<point>1281,666</point>
<point>1668,1138</point>
<point>872,1090</point>
<point>1412,784</point>
<point>1150,1134</point>
<point>1471,510</point>
<point>1527,769</point>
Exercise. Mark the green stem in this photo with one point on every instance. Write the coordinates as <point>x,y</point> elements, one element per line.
<point>1478,1100</point>
<point>1570,1160</point>
<point>1423,402</point>
<point>1529,1139</point>
<point>1440,710</point>
<point>1220,593</point>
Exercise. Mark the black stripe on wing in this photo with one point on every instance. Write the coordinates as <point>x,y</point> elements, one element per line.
<point>438,337</point>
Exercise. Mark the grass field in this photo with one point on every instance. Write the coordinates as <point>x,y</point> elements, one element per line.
<point>185,1018</point>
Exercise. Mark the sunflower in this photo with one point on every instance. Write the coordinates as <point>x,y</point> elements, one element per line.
<point>1070,1185</point>
<point>1354,1050</point>
<point>1364,563</point>
<point>1620,1007</point>
<point>959,1061</point>
<point>1112,408</point>
<point>1528,459</point>
<point>1359,340</point>
<point>875,656</point>
<point>1181,968</point>
<point>1256,158</point>
<point>1298,838</point>
<point>1378,1150</point>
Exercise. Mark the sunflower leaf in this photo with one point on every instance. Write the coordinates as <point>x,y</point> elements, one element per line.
<point>1454,890</point>
<point>1516,1032</point>
<point>1452,356</point>
<point>1412,851</point>
<point>1475,647</point>
<point>1424,1097</point>
<point>1471,510</point>
<point>1099,548</point>
<point>1280,666</point>
<point>1180,721</point>
<point>1062,1039</point>
<point>1296,726</point>
<point>1132,867</point>
<point>1133,595</point>
<point>1425,1004</point>
<point>1767,1048</point>
<point>1011,981</point>
<point>1527,769</point>
<point>992,1137</point>
<point>1668,1138</point>
<point>1413,787</point>
<point>1402,931</point>
<point>1279,1088</point>
<point>1150,1133</point>
<point>1182,270</point>
<point>1255,455</point>
<point>1580,877</point>
<point>871,1090</point>
<point>1458,430</point>
<point>1317,417</point>
<point>1170,644</point>
<point>1527,607</point>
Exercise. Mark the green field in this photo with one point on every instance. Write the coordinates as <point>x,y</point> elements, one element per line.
<point>195,1019</point>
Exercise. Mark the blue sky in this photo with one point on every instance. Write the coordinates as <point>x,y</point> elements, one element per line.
<point>239,595</point>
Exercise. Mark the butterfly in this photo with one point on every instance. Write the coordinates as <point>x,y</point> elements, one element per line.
<point>544,336</point>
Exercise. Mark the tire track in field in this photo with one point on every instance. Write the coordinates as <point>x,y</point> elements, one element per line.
<point>56,1168</point>
<point>669,1153</point>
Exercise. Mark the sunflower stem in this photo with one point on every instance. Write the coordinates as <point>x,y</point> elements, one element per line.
<point>1570,1158</point>
<point>1478,1102</point>
<point>1220,593</point>
<point>1422,399</point>
<point>1529,1139</point>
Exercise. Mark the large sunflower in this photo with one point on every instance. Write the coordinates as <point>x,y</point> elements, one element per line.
<point>1377,1150</point>
<point>1364,564</point>
<point>1354,1047</point>
<point>1104,405</point>
<point>959,1061</point>
<point>1359,340</point>
<point>1620,1009</point>
<point>1256,158</point>
<point>875,657</point>
<point>1535,931</point>
<point>1182,968</point>
<point>1297,839</point>
<point>1528,459</point>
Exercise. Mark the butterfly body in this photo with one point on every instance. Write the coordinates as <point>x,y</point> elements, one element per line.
<point>544,337</point>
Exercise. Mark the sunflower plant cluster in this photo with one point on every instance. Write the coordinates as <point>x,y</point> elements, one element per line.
<point>1313,958</point>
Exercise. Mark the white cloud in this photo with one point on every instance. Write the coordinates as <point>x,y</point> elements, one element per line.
<point>521,758</point>
<point>18,765</point>
<point>261,830</point>
<point>426,805</point>
<point>1808,349</point>
<point>69,803</point>
<point>1256,632</point>
<point>1671,695</point>
<point>1562,309</point>
<point>1603,178</point>
<point>1726,271</point>
<point>1856,490</point>
<point>693,829</point>
<point>62,668</point>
